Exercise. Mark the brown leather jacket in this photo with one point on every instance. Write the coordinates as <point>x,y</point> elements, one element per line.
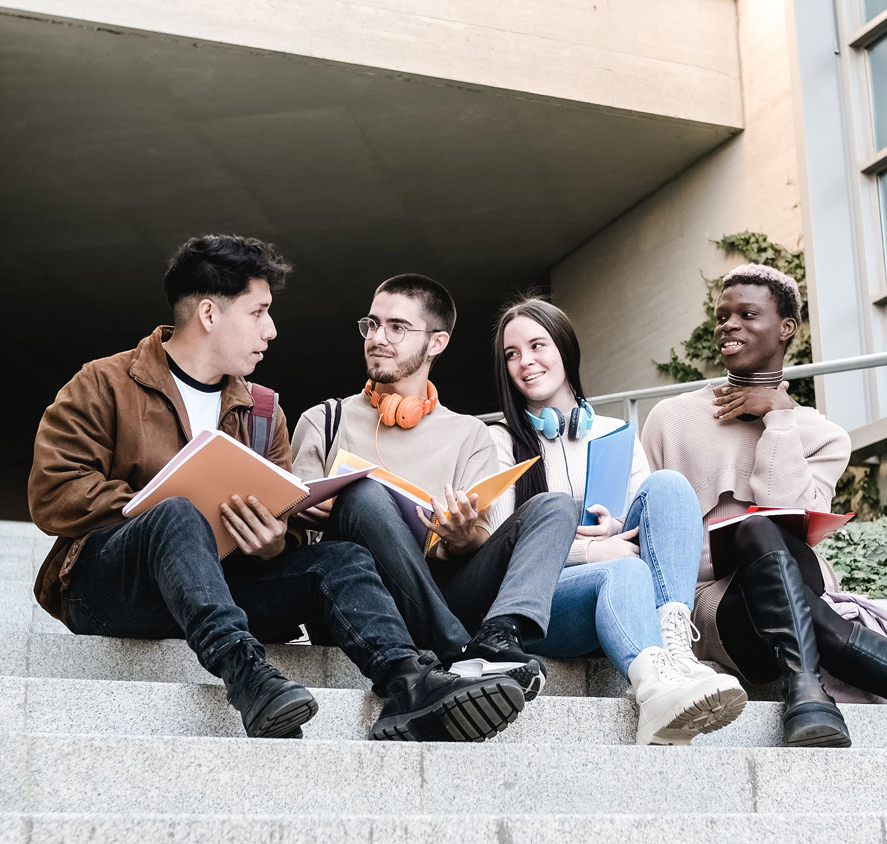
<point>112,427</point>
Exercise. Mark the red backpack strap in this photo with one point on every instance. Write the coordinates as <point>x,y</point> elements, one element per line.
<point>262,416</point>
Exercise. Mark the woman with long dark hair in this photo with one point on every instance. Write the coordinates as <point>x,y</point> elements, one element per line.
<point>747,442</point>
<point>627,588</point>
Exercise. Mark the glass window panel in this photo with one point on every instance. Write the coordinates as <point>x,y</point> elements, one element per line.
<point>878,67</point>
<point>873,8</point>
<point>882,193</point>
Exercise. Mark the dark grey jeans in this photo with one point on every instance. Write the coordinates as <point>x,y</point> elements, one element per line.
<point>515,572</point>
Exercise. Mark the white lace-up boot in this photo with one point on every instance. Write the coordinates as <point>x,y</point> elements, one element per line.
<point>674,707</point>
<point>678,635</point>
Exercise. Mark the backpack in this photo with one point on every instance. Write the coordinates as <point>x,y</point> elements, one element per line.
<point>261,419</point>
<point>332,409</point>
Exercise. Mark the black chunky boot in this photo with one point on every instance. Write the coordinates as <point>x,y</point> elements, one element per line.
<point>773,592</point>
<point>426,703</point>
<point>270,705</point>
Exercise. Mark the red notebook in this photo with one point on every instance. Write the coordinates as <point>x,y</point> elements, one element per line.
<point>810,525</point>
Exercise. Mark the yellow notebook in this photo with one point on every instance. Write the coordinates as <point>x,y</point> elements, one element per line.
<point>408,495</point>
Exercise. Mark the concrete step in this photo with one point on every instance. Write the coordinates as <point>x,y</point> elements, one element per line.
<point>17,568</point>
<point>18,591</point>
<point>45,654</point>
<point>821,828</point>
<point>41,705</point>
<point>18,616</point>
<point>23,547</point>
<point>171,775</point>
<point>24,535</point>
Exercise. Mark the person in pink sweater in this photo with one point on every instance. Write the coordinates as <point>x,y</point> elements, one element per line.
<point>748,442</point>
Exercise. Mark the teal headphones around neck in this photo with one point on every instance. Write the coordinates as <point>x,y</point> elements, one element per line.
<point>551,423</point>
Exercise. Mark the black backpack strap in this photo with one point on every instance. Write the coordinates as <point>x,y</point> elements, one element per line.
<point>332,417</point>
<point>262,416</point>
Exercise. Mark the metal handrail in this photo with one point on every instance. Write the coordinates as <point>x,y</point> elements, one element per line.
<point>630,398</point>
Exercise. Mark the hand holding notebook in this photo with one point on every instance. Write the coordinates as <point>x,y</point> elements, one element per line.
<point>213,467</point>
<point>407,496</point>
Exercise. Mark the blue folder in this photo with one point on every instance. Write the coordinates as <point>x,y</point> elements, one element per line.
<point>609,470</point>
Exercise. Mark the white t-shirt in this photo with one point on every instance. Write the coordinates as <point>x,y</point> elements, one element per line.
<point>202,401</point>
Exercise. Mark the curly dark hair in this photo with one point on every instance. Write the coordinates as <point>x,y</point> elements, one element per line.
<point>222,265</point>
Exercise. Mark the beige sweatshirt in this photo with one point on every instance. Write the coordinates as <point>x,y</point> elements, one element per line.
<point>790,458</point>
<point>444,448</point>
<point>565,470</point>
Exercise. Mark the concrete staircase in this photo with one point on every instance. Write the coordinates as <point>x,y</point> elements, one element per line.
<point>111,740</point>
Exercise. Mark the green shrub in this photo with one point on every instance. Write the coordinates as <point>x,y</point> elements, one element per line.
<point>857,491</point>
<point>858,553</point>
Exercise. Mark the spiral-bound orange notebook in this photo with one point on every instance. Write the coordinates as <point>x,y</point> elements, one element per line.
<point>215,466</point>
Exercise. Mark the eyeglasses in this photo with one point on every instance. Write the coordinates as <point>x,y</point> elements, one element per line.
<point>394,331</point>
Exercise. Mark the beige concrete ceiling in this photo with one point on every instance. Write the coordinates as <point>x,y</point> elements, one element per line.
<point>117,145</point>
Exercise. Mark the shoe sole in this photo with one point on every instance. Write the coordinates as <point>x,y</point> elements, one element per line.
<point>474,713</point>
<point>530,678</point>
<point>284,715</point>
<point>821,736</point>
<point>816,729</point>
<point>528,675</point>
<point>708,713</point>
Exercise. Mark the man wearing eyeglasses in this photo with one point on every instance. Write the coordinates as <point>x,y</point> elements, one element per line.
<point>158,575</point>
<point>497,587</point>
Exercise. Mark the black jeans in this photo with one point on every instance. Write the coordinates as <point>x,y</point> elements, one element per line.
<point>158,576</point>
<point>514,572</point>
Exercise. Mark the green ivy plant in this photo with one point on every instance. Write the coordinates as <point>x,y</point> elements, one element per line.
<point>702,359</point>
<point>857,491</point>
<point>858,552</point>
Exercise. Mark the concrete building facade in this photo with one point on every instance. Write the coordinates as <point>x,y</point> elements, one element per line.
<point>591,149</point>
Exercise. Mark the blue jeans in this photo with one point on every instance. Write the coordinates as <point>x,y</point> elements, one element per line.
<point>514,572</point>
<point>612,605</point>
<point>158,575</point>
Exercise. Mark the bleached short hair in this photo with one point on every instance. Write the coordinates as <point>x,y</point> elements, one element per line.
<point>783,287</point>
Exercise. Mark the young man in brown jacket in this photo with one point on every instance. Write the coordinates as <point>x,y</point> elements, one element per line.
<point>158,575</point>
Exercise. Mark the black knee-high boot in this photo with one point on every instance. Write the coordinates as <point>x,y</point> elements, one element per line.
<point>864,661</point>
<point>851,652</point>
<point>773,591</point>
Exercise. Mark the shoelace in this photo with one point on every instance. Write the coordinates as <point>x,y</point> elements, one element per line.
<point>669,668</point>
<point>498,638</point>
<point>431,663</point>
<point>679,633</point>
<point>258,674</point>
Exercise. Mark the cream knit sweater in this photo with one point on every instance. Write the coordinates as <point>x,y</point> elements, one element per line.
<point>444,448</point>
<point>790,458</point>
<point>566,462</point>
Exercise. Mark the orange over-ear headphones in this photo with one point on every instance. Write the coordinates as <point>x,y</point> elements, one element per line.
<point>394,409</point>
